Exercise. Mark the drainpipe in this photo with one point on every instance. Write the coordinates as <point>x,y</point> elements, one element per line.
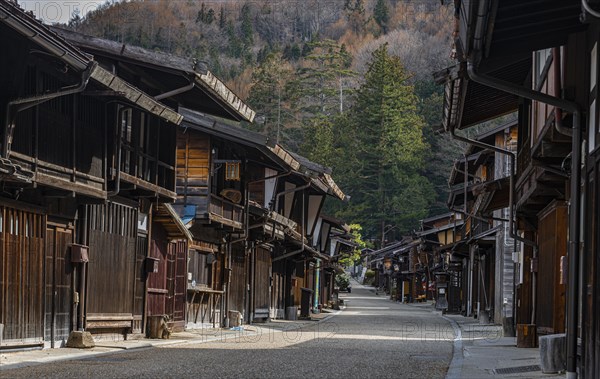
<point>20,105</point>
<point>82,273</point>
<point>512,157</point>
<point>247,201</point>
<point>484,219</point>
<point>296,189</point>
<point>465,184</point>
<point>589,9</point>
<point>301,249</point>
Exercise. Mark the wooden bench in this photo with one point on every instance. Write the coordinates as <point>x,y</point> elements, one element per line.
<point>421,298</point>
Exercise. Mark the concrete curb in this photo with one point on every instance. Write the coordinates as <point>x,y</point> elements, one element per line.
<point>82,354</point>
<point>455,369</point>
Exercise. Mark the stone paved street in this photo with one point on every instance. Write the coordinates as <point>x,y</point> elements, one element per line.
<point>372,338</point>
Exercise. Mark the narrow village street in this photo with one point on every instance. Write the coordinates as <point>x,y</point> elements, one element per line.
<point>372,338</point>
<point>300,189</point>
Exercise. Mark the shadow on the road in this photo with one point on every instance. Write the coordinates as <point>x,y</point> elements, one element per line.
<point>299,353</point>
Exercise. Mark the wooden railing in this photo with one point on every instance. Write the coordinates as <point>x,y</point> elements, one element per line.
<point>146,167</point>
<point>226,209</point>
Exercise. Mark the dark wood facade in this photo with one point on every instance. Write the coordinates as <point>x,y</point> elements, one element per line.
<point>261,282</point>
<point>560,59</point>
<point>111,272</point>
<point>552,248</point>
<point>22,238</point>
<point>91,156</point>
<point>79,153</point>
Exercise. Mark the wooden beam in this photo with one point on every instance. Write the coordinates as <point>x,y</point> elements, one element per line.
<point>148,186</point>
<point>78,188</point>
<point>222,220</point>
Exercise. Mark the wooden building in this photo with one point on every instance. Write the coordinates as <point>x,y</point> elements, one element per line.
<point>166,267</point>
<point>68,196</point>
<point>223,171</point>
<point>298,260</point>
<point>541,61</point>
<point>401,271</point>
<point>441,241</point>
<point>333,239</point>
<point>209,203</point>
<point>480,187</point>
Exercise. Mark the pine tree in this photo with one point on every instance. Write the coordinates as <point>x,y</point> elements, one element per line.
<point>356,16</point>
<point>270,97</point>
<point>201,17</point>
<point>222,19</point>
<point>381,15</point>
<point>321,79</point>
<point>246,27</point>
<point>386,150</point>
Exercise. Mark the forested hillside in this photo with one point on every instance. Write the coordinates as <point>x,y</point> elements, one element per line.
<point>347,83</point>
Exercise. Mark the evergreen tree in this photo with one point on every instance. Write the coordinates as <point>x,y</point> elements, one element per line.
<point>210,16</point>
<point>381,15</point>
<point>76,20</point>
<point>319,140</point>
<point>385,155</point>
<point>222,19</point>
<point>356,15</point>
<point>201,17</point>
<point>320,82</point>
<point>246,27</point>
<point>270,97</point>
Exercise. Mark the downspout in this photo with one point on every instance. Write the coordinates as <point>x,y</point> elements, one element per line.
<point>295,189</point>
<point>575,200</point>
<point>301,249</point>
<point>484,219</point>
<point>247,201</point>
<point>230,270</point>
<point>465,184</point>
<point>82,273</point>
<point>589,9</point>
<point>20,105</point>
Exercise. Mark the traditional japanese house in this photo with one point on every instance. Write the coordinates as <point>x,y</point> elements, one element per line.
<point>332,238</point>
<point>65,202</point>
<point>296,261</point>
<point>482,178</point>
<point>211,176</point>
<point>166,266</point>
<point>400,270</point>
<point>543,62</point>
<point>441,239</point>
<point>225,182</point>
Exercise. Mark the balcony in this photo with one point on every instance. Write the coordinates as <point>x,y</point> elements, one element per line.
<point>225,212</point>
